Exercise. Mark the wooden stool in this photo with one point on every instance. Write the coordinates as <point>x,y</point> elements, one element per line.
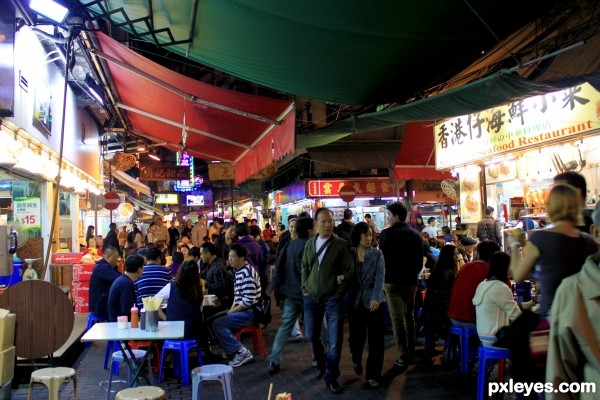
<point>53,378</point>
<point>141,393</point>
<point>213,372</point>
<point>258,343</point>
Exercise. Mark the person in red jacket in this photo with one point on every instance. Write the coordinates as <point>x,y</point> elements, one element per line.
<point>461,309</point>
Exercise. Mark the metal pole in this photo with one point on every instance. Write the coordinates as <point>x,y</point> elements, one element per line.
<point>55,214</point>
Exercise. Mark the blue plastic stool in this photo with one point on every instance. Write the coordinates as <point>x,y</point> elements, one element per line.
<point>117,359</point>
<point>92,319</point>
<point>182,346</point>
<point>464,335</point>
<point>111,347</point>
<point>485,354</point>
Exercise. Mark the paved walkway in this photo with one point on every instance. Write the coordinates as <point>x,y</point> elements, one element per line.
<point>251,381</point>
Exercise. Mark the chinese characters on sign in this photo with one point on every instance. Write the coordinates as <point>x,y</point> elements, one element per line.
<point>516,126</point>
<point>221,172</point>
<point>164,173</point>
<point>27,216</point>
<point>366,187</point>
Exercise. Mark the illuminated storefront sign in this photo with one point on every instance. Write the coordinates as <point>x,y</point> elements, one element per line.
<point>517,126</point>
<point>187,183</point>
<point>166,198</point>
<point>363,187</point>
<point>163,173</point>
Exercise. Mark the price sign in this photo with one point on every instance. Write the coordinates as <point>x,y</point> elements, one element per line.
<point>27,215</point>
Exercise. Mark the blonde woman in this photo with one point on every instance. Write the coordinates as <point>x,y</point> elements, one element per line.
<point>556,252</point>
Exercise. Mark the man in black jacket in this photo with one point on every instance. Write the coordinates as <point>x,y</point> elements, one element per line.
<point>402,249</point>
<point>111,239</point>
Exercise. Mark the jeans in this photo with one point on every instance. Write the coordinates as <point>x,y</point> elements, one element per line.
<point>374,329</point>
<point>401,301</point>
<point>314,311</point>
<point>222,328</point>
<point>460,324</point>
<point>292,309</point>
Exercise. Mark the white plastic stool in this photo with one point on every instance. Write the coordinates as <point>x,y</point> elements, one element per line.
<point>141,393</point>
<point>117,357</point>
<point>213,372</point>
<point>53,378</point>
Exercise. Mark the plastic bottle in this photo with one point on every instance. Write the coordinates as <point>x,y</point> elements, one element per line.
<point>134,317</point>
<point>143,319</point>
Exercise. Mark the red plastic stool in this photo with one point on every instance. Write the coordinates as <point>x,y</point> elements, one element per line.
<point>257,339</point>
<point>145,344</point>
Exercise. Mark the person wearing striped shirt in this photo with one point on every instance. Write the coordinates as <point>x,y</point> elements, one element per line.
<point>154,277</point>
<point>246,292</point>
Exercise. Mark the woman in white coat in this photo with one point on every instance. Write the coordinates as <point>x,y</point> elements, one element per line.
<point>493,300</point>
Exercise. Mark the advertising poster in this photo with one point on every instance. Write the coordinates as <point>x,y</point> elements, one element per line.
<point>501,172</point>
<point>27,217</point>
<point>470,198</point>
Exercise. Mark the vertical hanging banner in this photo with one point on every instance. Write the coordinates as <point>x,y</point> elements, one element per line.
<point>470,198</point>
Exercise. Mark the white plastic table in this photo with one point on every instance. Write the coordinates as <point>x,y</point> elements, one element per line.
<point>106,331</point>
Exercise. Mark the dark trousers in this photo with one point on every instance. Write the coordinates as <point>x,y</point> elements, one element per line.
<point>363,323</point>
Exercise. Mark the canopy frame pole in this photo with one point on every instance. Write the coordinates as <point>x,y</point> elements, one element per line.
<point>179,125</point>
<point>183,94</point>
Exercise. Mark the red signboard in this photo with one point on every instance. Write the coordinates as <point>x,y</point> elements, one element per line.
<point>347,193</point>
<point>363,187</point>
<point>112,200</point>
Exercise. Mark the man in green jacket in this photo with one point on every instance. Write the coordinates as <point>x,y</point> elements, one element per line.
<point>327,269</point>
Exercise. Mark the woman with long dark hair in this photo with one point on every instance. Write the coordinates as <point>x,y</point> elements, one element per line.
<point>435,307</point>
<point>366,315</point>
<point>89,235</point>
<point>493,300</point>
<point>185,299</point>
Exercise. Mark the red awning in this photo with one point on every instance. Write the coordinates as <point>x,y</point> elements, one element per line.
<point>416,157</point>
<point>246,130</point>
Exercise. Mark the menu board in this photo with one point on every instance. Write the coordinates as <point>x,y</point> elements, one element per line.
<point>470,198</point>
<point>501,172</point>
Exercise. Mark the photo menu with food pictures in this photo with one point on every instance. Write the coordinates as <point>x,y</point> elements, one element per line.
<point>470,198</point>
<point>501,172</point>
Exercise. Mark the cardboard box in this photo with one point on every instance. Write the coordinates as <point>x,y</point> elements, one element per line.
<point>81,296</point>
<point>7,332</point>
<point>66,258</point>
<point>7,364</point>
<point>82,272</point>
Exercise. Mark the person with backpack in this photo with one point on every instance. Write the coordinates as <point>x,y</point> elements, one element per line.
<point>344,229</point>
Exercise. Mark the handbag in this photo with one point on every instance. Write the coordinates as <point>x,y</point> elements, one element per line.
<point>262,311</point>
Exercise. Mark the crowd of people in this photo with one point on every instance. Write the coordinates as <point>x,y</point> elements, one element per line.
<point>323,274</point>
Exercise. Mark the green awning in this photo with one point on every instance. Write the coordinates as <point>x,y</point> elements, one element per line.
<point>347,52</point>
<point>488,92</point>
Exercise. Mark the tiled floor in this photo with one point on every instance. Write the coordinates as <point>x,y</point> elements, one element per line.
<point>252,382</point>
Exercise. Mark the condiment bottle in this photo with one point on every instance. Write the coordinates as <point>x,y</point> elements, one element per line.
<point>134,317</point>
<point>143,319</point>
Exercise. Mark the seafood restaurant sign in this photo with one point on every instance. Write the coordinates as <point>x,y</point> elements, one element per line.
<point>517,126</point>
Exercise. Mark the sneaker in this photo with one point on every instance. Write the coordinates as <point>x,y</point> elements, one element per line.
<point>358,369</point>
<point>241,357</point>
<point>399,363</point>
<point>373,383</point>
<point>334,387</point>
<point>297,338</point>
<point>273,368</point>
